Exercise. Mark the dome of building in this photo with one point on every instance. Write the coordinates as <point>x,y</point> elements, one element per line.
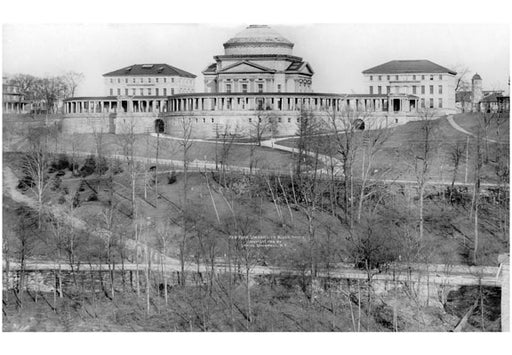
<point>477,77</point>
<point>258,39</point>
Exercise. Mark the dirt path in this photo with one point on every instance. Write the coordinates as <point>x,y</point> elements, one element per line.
<point>454,124</point>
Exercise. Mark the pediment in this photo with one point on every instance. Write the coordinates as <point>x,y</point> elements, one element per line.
<point>301,68</point>
<point>246,67</point>
<point>306,69</point>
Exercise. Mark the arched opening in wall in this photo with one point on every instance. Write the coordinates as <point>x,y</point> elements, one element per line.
<point>159,126</point>
<point>359,124</point>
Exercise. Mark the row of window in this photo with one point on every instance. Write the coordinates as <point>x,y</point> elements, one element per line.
<point>414,89</point>
<point>397,77</point>
<point>245,88</point>
<point>141,92</point>
<point>148,80</point>
<point>431,103</point>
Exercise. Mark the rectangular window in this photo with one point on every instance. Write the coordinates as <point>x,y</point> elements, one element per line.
<point>213,120</point>
<point>371,90</point>
<point>141,92</point>
<point>423,77</point>
<point>431,77</point>
<point>134,92</point>
<point>156,91</point>
<point>118,80</point>
<point>111,92</point>
<point>250,119</point>
<point>156,80</point>
<point>440,77</point>
<point>165,91</point>
<point>388,77</point>
<point>126,81</point>
<point>260,104</point>
<point>422,103</point>
<point>279,119</point>
<point>172,80</point>
<point>440,89</point>
<point>111,80</point>
<point>371,77</point>
<point>431,103</point>
<point>396,77</point>
<point>244,88</point>
<point>388,89</point>
<point>118,92</point>
<point>289,119</point>
<point>260,87</point>
<point>165,80</point>
<point>134,80</point>
<point>278,87</point>
<point>142,80</point>
<point>423,89</point>
<point>126,92</point>
<point>414,89</point>
<point>228,88</point>
<point>440,103</point>
<point>380,77</point>
<point>149,80</point>
<point>379,88</point>
<point>149,92</point>
<point>431,89</point>
<point>172,91</point>
<point>414,77</point>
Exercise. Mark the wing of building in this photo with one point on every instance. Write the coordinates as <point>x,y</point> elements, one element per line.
<point>148,80</point>
<point>431,82</point>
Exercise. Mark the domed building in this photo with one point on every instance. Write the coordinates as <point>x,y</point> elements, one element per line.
<point>258,59</point>
<point>256,85</point>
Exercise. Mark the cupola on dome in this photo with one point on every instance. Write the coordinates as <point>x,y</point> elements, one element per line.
<point>258,39</point>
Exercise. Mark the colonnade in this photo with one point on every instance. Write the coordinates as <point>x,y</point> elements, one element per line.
<point>92,105</point>
<point>244,102</point>
<point>315,102</point>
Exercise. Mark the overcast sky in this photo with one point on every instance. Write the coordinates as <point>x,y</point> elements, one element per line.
<point>337,52</point>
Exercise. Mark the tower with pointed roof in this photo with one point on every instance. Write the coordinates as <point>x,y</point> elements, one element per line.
<point>477,93</point>
<point>258,59</point>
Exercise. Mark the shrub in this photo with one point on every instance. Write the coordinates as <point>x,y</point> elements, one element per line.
<point>171,178</point>
<point>92,197</point>
<point>101,166</point>
<point>116,167</point>
<point>61,162</point>
<point>89,166</point>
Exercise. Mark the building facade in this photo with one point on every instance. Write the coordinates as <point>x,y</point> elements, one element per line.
<point>258,60</point>
<point>148,80</point>
<point>12,100</point>
<point>258,79</point>
<point>479,100</point>
<point>432,83</point>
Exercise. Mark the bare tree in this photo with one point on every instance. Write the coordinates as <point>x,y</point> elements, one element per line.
<point>72,80</point>
<point>185,144</point>
<point>265,124</point>
<point>475,203</point>
<point>456,154</point>
<point>346,126</point>
<point>373,141</point>
<point>35,166</point>
<point>422,154</point>
<point>26,84</point>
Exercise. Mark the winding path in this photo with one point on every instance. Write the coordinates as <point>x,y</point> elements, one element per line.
<point>454,124</point>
